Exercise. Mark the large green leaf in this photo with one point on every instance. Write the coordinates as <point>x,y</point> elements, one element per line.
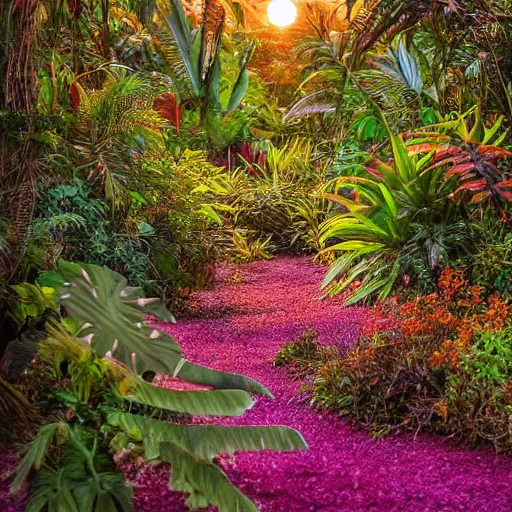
<point>239,91</point>
<point>54,492</point>
<point>233,402</point>
<point>177,21</point>
<point>113,493</point>
<point>242,82</point>
<point>204,481</point>
<point>206,441</point>
<point>112,316</point>
<point>192,448</point>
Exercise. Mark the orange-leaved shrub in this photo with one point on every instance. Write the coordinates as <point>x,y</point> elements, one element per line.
<point>413,374</point>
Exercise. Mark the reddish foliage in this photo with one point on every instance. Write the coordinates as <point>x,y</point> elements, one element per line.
<point>75,96</point>
<point>450,317</point>
<point>167,106</point>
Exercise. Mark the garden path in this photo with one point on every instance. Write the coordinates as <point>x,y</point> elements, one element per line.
<point>239,327</point>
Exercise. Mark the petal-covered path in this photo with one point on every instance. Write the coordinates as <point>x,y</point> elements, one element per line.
<point>240,326</point>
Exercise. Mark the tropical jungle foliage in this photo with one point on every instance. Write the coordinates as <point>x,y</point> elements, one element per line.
<point>148,142</point>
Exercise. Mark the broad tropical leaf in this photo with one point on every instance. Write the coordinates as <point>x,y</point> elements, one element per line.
<point>177,22</point>
<point>232,402</point>
<point>205,482</point>
<point>242,82</point>
<point>113,324</point>
<point>192,448</point>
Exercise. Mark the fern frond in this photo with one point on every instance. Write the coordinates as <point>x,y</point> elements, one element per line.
<point>60,222</point>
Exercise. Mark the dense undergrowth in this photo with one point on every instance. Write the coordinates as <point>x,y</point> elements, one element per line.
<point>437,363</point>
<point>138,139</point>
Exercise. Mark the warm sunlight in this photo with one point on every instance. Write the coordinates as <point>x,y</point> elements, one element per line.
<point>281,12</point>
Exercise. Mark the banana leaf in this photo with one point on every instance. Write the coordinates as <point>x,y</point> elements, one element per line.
<point>191,450</point>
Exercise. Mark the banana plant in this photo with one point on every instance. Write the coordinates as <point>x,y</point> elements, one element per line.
<point>191,450</point>
<point>111,317</point>
<point>200,53</point>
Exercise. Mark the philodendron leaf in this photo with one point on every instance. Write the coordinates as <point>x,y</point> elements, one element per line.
<point>191,450</point>
<point>113,324</point>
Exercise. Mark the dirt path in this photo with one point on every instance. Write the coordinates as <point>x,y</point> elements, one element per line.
<point>240,328</point>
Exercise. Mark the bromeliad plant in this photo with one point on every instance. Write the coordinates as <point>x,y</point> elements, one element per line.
<point>482,171</point>
<point>388,204</point>
<point>402,208</point>
<point>110,407</point>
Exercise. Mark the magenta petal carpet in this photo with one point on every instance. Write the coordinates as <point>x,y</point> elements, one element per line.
<point>344,470</point>
<point>240,327</point>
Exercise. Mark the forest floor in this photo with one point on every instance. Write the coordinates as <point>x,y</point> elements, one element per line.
<point>239,326</point>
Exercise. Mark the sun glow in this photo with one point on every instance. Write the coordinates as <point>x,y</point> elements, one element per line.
<point>281,12</point>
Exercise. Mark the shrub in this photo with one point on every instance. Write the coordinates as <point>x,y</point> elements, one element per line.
<point>491,265</point>
<point>385,383</point>
<point>479,394</point>
<point>170,200</point>
<point>304,356</point>
<point>442,362</point>
<point>74,224</point>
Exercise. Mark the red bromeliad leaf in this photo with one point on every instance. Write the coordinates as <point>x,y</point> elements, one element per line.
<point>246,152</point>
<point>441,164</point>
<point>261,158</point>
<point>75,96</point>
<point>505,184</point>
<point>474,186</point>
<point>506,194</point>
<point>376,174</point>
<point>445,152</point>
<point>494,150</point>
<point>459,169</point>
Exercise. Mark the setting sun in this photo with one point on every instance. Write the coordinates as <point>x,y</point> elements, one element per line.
<point>281,12</point>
